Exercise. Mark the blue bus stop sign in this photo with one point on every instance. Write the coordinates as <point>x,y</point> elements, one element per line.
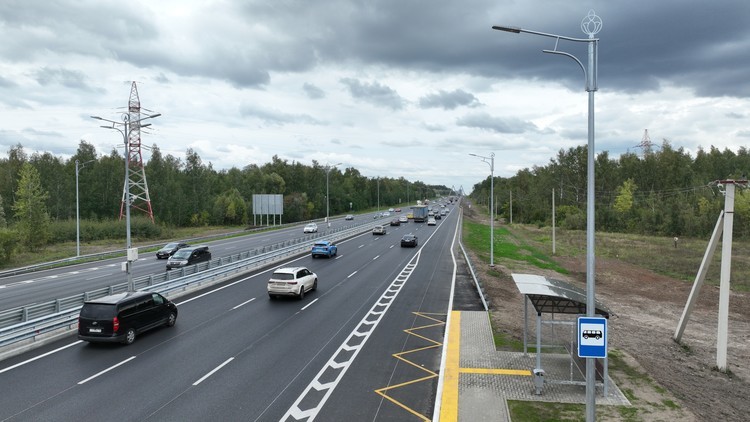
<point>592,337</point>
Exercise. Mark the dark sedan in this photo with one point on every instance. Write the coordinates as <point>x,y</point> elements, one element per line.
<point>395,222</point>
<point>409,240</point>
<point>169,249</point>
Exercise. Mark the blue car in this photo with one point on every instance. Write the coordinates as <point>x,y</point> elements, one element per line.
<point>324,248</point>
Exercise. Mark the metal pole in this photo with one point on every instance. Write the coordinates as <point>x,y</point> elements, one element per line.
<point>78,218</point>
<point>553,221</point>
<point>491,163</point>
<point>328,221</point>
<point>590,25</point>
<point>492,209</point>
<point>128,264</point>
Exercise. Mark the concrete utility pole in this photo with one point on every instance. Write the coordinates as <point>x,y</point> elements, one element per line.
<point>724,227</point>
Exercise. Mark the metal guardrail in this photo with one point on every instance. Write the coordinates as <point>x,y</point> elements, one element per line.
<point>62,314</point>
<point>115,252</point>
<point>477,282</point>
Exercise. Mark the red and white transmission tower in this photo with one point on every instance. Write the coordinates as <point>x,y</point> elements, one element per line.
<point>645,143</point>
<point>139,198</point>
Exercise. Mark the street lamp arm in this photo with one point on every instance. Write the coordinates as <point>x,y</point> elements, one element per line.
<point>562,53</point>
<point>517,30</point>
<point>125,117</point>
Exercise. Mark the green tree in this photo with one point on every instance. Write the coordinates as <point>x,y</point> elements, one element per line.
<point>30,209</point>
<point>8,242</point>
<point>624,200</point>
<point>3,222</point>
<point>230,208</point>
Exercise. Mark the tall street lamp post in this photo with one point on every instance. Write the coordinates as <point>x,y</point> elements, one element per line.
<point>78,215</point>
<point>328,171</point>
<point>590,25</point>
<point>132,253</point>
<point>491,163</point>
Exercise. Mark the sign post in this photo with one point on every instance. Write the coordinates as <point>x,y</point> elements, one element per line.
<point>592,337</point>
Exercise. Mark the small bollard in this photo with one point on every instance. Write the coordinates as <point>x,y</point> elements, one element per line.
<point>538,380</point>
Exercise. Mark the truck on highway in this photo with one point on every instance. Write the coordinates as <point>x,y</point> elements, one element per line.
<point>420,213</point>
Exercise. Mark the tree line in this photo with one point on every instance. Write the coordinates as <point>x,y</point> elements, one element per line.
<point>661,191</point>
<point>39,191</point>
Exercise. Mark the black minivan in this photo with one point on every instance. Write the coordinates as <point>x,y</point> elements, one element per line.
<point>189,256</point>
<point>119,317</point>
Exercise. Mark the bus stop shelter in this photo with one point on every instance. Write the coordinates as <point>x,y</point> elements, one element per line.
<point>550,296</point>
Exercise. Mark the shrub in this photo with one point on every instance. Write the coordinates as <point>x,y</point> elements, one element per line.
<point>8,241</point>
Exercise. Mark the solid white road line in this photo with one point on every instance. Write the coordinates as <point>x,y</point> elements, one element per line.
<point>244,303</point>
<point>308,305</point>
<point>40,356</point>
<point>203,378</point>
<point>106,370</point>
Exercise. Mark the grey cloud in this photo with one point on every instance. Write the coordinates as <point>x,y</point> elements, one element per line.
<point>6,83</point>
<point>276,117</point>
<point>60,76</point>
<point>374,93</point>
<point>487,122</point>
<point>162,78</point>
<point>313,91</point>
<point>643,46</point>
<point>449,100</point>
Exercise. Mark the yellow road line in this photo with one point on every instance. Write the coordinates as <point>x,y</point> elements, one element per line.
<point>449,403</point>
<point>402,356</point>
<point>489,371</point>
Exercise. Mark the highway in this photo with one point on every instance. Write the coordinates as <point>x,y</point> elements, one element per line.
<point>365,346</point>
<point>42,286</point>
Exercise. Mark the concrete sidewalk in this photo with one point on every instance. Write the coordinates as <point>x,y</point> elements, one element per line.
<point>479,380</point>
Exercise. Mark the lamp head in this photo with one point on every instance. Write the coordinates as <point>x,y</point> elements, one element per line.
<point>512,29</point>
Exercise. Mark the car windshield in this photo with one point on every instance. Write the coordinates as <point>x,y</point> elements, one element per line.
<point>182,254</point>
<point>283,276</point>
<point>170,245</point>
<point>320,244</point>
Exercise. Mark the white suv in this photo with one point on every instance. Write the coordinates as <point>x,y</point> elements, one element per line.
<point>310,228</point>
<point>295,281</point>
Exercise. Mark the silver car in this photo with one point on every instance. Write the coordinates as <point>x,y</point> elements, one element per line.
<point>293,281</point>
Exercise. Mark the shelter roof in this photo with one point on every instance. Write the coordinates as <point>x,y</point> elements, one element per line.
<point>555,296</point>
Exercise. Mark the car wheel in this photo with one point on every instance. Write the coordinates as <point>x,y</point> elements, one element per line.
<point>301,294</point>
<point>129,336</point>
<point>272,297</point>
<point>171,319</point>
<point>315,285</point>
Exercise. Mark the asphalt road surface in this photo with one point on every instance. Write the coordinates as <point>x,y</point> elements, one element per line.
<point>366,345</point>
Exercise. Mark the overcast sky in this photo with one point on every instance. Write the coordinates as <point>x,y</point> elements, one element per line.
<point>394,88</point>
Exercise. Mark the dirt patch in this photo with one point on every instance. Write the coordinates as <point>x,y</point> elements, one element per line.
<point>683,382</point>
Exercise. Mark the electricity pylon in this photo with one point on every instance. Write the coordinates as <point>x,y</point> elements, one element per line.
<point>136,180</point>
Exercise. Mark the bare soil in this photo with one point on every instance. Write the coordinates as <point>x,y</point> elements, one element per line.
<point>682,382</point>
